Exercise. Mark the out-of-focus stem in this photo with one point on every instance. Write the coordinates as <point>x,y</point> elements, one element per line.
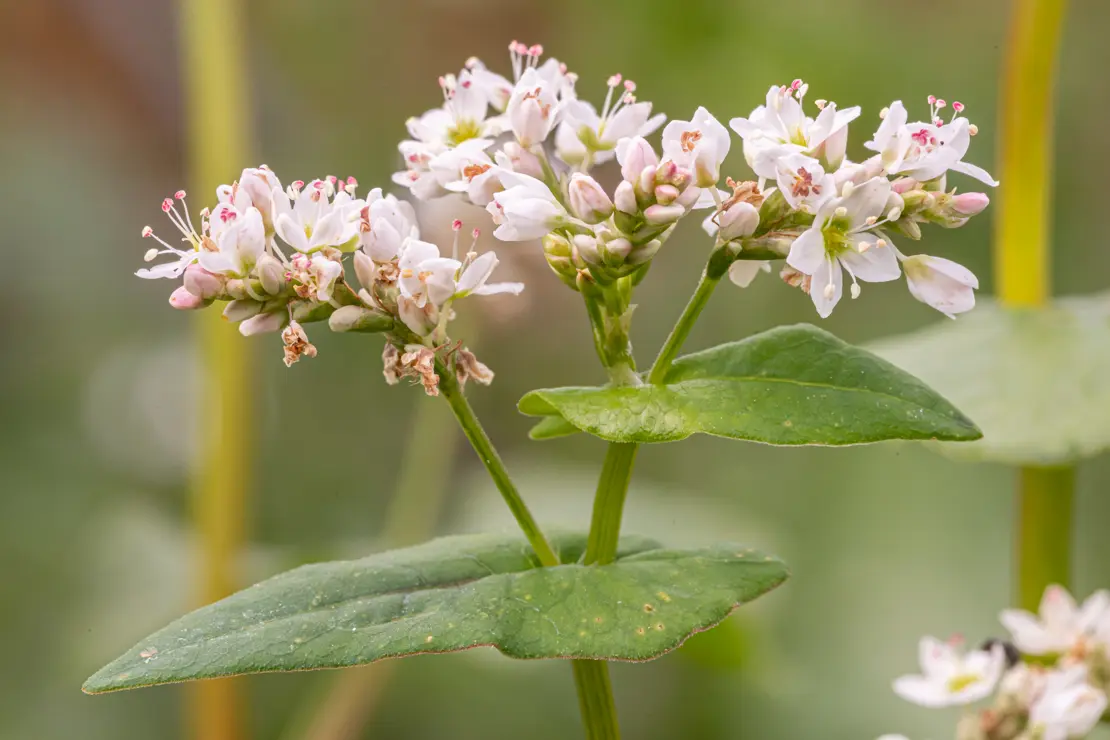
<point>1044,519</point>
<point>1022,257</point>
<point>1023,266</point>
<point>217,125</point>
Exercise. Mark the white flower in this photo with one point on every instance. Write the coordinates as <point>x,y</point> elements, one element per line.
<point>925,150</point>
<point>308,219</point>
<point>780,127</point>
<point>474,275</point>
<point>841,237</point>
<point>585,133</point>
<point>526,209</point>
<point>743,272</point>
<point>803,181</point>
<point>1069,707</point>
<point>240,242</point>
<point>496,88</point>
<point>1061,627</point>
<point>949,678</point>
<point>417,175</point>
<point>533,108</point>
<point>468,169</point>
<point>700,144</point>
<point>425,274</point>
<point>943,284</point>
<point>182,257</point>
<point>427,277</point>
<point>385,223</point>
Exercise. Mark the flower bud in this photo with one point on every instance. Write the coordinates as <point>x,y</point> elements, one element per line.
<point>271,273</point>
<point>310,311</point>
<point>904,185</point>
<point>185,300</point>
<point>738,220</point>
<point>263,323</point>
<point>242,309</point>
<point>641,254</point>
<point>659,214</point>
<point>560,257</point>
<point>522,160</point>
<point>917,200</point>
<point>970,204</point>
<point>364,269</point>
<point>359,319</point>
<point>614,251</point>
<point>666,194</point>
<point>202,283</point>
<point>635,155</point>
<point>587,248</point>
<point>587,200</point>
<point>625,198</point>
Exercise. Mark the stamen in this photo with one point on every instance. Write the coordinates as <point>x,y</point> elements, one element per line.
<point>880,243</point>
<point>820,103</point>
<point>883,112</point>
<point>840,212</point>
<point>972,129</point>
<point>150,255</point>
<point>180,195</point>
<point>147,232</point>
<point>855,288</point>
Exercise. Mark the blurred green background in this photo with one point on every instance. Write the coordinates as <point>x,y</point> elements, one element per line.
<point>98,376</point>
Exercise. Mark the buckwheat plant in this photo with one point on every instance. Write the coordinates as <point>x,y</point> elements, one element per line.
<point>1049,682</point>
<point>284,258</point>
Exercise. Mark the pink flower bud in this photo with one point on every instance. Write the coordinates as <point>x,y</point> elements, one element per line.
<point>658,214</point>
<point>904,185</point>
<point>184,300</point>
<point>634,155</point>
<point>666,194</point>
<point>587,200</point>
<point>970,204</point>
<point>202,283</point>
<point>625,197</point>
<point>364,269</point>
<point>263,323</point>
<point>738,220</point>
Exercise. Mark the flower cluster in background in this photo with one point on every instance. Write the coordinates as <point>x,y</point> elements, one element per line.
<point>1049,682</point>
<point>524,149</point>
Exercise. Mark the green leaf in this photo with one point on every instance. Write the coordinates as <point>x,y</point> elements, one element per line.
<point>454,594</point>
<point>552,427</point>
<point>1036,380</point>
<point>795,385</point>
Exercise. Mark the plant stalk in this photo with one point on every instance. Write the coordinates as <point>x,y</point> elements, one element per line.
<point>480,441</point>
<point>682,327</point>
<point>1045,505</point>
<point>595,699</point>
<point>217,126</point>
<point>1022,257</point>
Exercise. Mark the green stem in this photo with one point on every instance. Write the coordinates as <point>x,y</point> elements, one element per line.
<point>683,326</point>
<point>612,487</point>
<point>595,699</point>
<point>480,441</point>
<point>1044,511</point>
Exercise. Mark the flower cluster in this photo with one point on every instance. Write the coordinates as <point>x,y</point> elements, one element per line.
<point>524,149</point>
<point>1049,682</point>
<point>276,257</point>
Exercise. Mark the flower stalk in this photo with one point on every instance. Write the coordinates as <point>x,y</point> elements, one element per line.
<point>1023,267</point>
<point>480,441</point>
